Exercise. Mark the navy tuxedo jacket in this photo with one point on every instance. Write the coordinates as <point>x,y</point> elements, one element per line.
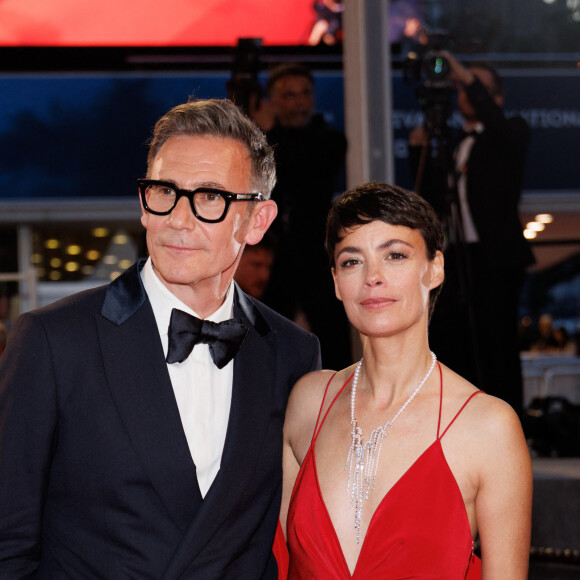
<point>96,478</point>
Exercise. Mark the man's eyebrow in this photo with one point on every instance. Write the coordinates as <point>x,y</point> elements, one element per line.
<point>200,185</point>
<point>210,184</point>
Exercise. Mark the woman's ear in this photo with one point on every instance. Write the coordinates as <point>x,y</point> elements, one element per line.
<point>336,291</point>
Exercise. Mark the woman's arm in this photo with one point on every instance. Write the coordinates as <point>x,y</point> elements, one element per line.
<point>290,469</point>
<point>503,503</point>
<point>301,413</point>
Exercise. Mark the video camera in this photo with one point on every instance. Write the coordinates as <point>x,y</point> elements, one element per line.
<point>427,69</point>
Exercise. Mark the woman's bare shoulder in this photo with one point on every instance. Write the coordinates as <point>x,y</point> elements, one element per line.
<point>310,389</point>
<point>308,394</point>
<point>455,385</point>
<point>487,419</point>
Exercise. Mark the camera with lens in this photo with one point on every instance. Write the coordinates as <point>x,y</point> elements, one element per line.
<point>435,68</point>
<point>425,64</point>
<point>428,70</point>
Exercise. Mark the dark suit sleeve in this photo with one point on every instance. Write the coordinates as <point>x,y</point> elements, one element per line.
<point>511,135</point>
<point>315,361</point>
<point>27,436</point>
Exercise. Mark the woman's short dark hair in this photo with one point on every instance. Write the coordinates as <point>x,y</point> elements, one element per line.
<point>375,201</point>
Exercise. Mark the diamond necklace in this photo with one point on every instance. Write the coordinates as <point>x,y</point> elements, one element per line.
<point>363,458</point>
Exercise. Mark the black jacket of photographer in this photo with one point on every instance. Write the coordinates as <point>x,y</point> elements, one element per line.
<point>494,181</point>
<point>310,167</point>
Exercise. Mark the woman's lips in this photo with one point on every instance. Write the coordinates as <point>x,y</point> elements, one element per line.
<point>376,302</point>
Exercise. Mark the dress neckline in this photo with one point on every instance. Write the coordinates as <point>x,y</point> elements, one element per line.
<point>435,445</point>
<point>384,500</point>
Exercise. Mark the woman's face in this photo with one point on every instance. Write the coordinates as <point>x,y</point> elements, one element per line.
<point>383,277</point>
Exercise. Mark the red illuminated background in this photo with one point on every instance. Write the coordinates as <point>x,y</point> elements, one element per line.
<point>153,22</point>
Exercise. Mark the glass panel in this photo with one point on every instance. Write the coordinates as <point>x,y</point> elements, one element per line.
<point>8,287</point>
<point>88,253</point>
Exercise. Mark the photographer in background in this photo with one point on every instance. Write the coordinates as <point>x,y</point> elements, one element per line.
<point>310,166</point>
<point>477,192</point>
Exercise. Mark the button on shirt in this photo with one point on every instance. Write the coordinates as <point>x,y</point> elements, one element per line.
<point>202,391</point>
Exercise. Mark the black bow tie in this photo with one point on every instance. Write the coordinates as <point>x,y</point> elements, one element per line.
<point>185,331</point>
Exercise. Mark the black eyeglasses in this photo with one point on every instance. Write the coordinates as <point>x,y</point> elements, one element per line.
<point>207,204</point>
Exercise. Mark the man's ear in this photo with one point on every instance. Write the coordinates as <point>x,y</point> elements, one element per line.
<point>263,214</point>
<point>144,214</point>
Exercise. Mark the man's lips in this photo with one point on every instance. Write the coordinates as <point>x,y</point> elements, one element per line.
<point>178,248</point>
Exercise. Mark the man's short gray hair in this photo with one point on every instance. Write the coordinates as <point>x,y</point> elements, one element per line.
<point>218,118</point>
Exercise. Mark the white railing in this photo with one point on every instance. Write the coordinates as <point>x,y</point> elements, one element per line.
<point>551,375</point>
<point>28,289</point>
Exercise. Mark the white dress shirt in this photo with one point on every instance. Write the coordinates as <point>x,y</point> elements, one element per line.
<point>202,391</point>
<point>461,158</point>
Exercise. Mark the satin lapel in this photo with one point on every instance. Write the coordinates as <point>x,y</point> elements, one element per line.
<point>252,400</point>
<point>141,388</point>
<point>254,375</point>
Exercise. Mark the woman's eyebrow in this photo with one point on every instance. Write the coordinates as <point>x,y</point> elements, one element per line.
<point>382,246</point>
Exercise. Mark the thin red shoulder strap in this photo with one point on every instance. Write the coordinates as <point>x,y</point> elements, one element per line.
<point>459,412</point>
<point>440,397</point>
<point>318,426</point>
<point>322,405</point>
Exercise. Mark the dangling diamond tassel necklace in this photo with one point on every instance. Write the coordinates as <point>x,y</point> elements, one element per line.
<point>363,458</point>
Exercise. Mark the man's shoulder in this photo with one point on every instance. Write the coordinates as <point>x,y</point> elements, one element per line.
<point>519,123</point>
<point>276,321</point>
<point>319,125</point>
<point>65,320</point>
<point>90,298</point>
<point>288,340</point>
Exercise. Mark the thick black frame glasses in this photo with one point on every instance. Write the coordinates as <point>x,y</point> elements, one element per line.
<point>204,201</point>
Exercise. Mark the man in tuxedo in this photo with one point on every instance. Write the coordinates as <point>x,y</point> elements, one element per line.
<point>132,444</point>
<point>477,191</point>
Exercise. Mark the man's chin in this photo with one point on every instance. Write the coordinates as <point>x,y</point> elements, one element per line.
<point>299,121</point>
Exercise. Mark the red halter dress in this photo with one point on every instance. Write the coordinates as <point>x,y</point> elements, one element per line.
<point>419,530</point>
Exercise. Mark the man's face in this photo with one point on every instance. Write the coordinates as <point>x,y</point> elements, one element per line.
<point>292,101</point>
<point>464,105</point>
<point>253,273</point>
<point>187,253</point>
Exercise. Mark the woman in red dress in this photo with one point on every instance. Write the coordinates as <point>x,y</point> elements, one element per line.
<point>395,466</point>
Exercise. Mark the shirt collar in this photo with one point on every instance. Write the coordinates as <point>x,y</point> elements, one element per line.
<point>477,128</point>
<point>163,301</point>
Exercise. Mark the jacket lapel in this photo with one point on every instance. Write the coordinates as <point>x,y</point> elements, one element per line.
<point>252,392</point>
<point>142,391</point>
<point>254,374</point>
